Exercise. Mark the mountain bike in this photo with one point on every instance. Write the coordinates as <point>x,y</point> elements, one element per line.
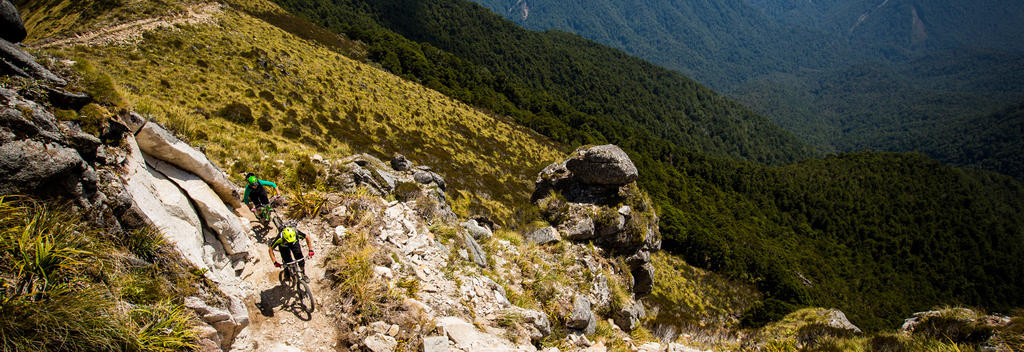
<point>292,276</point>
<point>266,214</point>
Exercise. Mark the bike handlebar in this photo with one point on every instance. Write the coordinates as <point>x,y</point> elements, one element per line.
<point>294,261</point>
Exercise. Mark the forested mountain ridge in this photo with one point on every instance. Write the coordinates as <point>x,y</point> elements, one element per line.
<point>811,68</point>
<point>908,26</point>
<point>553,82</point>
<point>773,226</point>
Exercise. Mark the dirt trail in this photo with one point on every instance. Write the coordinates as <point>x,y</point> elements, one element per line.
<point>129,31</point>
<point>277,321</point>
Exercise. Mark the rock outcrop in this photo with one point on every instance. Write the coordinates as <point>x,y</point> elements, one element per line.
<point>161,144</point>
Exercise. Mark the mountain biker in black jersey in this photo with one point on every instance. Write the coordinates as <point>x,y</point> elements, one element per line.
<point>256,193</point>
<point>288,241</point>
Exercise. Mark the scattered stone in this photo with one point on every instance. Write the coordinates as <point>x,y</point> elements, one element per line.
<point>380,343</point>
<point>836,319</point>
<point>474,229</point>
<point>544,236</point>
<point>339,235</point>
<point>650,347</point>
<point>400,163</point>
<point>394,330</point>
<point>380,327</point>
<point>435,344</point>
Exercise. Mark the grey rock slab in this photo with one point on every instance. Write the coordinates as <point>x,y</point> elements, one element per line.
<point>158,142</point>
<point>475,251</point>
<point>602,165</point>
<point>475,229</point>
<point>380,343</point>
<point>544,235</point>
<point>214,212</point>
<point>28,166</point>
<point>581,314</point>
<point>435,344</point>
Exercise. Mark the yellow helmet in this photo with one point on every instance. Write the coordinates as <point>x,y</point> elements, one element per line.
<point>288,234</point>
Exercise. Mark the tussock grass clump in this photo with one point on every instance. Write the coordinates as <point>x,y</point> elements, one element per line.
<point>59,277</point>
<point>237,112</point>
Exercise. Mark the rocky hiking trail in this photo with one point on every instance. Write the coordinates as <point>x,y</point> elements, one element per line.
<point>277,321</point>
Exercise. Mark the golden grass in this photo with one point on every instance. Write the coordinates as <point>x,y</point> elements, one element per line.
<point>311,100</point>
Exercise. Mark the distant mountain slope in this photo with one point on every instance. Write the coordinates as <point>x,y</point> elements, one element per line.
<point>551,79</point>
<point>720,43</point>
<point>840,80</point>
<point>907,25</point>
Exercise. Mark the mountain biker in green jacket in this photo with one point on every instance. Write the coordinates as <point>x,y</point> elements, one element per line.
<point>288,243</point>
<point>256,192</point>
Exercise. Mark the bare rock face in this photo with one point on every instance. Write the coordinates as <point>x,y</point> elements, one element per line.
<point>211,208</point>
<point>12,29</point>
<point>628,318</point>
<point>602,165</point>
<point>161,144</point>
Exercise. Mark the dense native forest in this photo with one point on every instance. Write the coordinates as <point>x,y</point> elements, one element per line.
<point>842,75</point>
<point>876,235</point>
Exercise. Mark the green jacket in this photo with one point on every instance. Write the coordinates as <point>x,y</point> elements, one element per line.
<point>249,188</point>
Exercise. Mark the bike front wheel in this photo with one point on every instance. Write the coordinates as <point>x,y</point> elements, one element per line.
<point>306,297</point>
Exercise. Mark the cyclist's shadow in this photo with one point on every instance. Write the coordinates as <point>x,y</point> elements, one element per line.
<point>281,296</point>
<point>263,232</point>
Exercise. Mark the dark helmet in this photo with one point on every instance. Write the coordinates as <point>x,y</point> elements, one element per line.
<point>250,178</point>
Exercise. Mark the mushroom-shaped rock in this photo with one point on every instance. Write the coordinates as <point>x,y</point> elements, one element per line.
<point>602,165</point>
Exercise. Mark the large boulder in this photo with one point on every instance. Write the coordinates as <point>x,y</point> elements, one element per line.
<point>400,163</point>
<point>12,29</point>
<point>161,144</point>
<point>602,165</point>
<point>217,216</point>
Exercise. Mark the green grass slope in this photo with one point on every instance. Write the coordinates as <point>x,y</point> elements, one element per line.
<point>251,94</point>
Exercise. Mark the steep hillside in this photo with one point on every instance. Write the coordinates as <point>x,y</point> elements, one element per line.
<point>252,94</point>
<point>571,89</point>
<point>802,234</point>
